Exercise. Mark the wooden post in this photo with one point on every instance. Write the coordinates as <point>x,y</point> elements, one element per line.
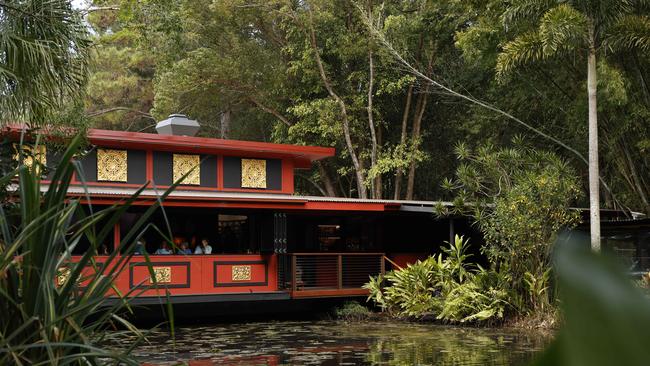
<point>340,271</point>
<point>116,236</point>
<point>452,231</point>
<point>293,273</point>
<point>383,263</point>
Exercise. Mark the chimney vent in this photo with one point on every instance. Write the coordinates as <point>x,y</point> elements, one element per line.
<point>179,125</point>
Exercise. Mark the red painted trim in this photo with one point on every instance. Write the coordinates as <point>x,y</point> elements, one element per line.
<point>204,145</point>
<point>287,176</point>
<point>116,236</point>
<point>219,171</point>
<point>220,202</point>
<point>194,274</point>
<point>149,166</point>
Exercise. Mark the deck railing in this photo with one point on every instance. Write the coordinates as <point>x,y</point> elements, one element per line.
<point>323,274</point>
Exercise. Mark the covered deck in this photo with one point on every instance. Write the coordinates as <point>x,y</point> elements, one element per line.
<point>266,252</point>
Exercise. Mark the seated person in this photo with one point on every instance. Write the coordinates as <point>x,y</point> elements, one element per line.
<point>203,248</point>
<point>140,246</point>
<point>164,249</point>
<point>185,248</point>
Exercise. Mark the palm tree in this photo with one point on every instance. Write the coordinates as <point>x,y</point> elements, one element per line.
<point>586,27</point>
<point>44,47</point>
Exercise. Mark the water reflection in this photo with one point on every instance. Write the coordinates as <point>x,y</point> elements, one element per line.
<point>338,343</point>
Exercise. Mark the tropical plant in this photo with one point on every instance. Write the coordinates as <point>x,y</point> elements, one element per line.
<point>53,310</point>
<point>450,288</point>
<point>582,27</point>
<point>521,199</point>
<point>44,48</point>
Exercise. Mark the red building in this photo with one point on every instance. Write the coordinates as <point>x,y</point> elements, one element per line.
<point>267,242</point>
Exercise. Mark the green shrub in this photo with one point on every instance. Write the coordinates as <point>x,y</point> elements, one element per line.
<point>520,199</point>
<point>352,311</point>
<point>449,288</point>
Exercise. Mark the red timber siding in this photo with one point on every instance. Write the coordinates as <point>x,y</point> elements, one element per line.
<point>198,274</point>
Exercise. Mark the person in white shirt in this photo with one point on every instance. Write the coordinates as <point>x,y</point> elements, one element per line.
<point>204,248</point>
<point>164,249</point>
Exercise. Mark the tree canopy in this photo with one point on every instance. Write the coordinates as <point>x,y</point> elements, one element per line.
<point>317,73</point>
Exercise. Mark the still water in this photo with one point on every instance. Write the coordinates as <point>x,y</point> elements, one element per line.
<point>338,343</point>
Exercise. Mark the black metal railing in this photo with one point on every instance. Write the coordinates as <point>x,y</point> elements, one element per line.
<point>327,271</point>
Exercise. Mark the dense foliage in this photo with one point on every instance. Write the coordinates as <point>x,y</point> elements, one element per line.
<point>521,199</point>
<point>313,73</point>
<point>44,55</point>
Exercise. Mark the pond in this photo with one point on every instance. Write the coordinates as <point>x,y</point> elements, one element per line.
<point>338,343</point>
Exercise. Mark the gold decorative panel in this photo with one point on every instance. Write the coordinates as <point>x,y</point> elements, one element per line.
<point>62,276</point>
<point>241,273</point>
<point>29,154</point>
<point>111,165</point>
<point>183,163</point>
<point>163,274</point>
<point>253,173</point>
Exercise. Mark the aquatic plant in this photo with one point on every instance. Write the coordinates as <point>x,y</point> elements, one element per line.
<point>53,310</point>
<point>352,311</point>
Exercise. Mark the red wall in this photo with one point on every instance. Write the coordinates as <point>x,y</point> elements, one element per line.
<point>199,274</point>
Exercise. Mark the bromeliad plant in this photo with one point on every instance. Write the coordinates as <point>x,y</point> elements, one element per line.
<point>50,321</point>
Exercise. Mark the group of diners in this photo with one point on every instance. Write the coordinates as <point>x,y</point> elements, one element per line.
<point>183,248</point>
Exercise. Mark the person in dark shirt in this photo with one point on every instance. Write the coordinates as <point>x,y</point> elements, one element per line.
<point>185,248</point>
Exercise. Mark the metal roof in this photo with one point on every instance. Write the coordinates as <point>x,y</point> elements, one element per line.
<point>179,193</point>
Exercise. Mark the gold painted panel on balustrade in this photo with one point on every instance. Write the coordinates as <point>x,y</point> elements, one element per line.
<point>241,273</point>
<point>253,173</point>
<point>29,154</point>
<point>111,165</point>
<point>184,163</point>
<point>163,274</point>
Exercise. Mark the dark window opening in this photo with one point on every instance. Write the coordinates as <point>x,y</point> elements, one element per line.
<point>177,228</point>
<point>105,246</point>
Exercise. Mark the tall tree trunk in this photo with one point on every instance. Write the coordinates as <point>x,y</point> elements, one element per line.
<point>358,168</point>
<point>417,124</point>
<point>325,178</point>
<point>371,122</point>
<point>415,135</point>
<point>402,140</point>
<point>224,125</point>
<point>379,181</point>
<point>594,184</point>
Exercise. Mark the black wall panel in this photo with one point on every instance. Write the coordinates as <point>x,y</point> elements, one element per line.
<point>89,167</point>
<point>231,172</point>
<point>136,166</point>
<point>274,174</point>
<point>163,168</point>
<point>53,158</point>
<point>209,171</point>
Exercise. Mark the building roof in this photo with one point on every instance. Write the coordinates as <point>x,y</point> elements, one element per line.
<point>252,200</point>
<point>206,145</point>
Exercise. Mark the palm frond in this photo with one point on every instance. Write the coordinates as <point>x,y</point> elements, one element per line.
<point>523,49</point>
<point>44,48</point>
<point>562,27</point>
<point>526,10</point>
<point>631,31</point>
